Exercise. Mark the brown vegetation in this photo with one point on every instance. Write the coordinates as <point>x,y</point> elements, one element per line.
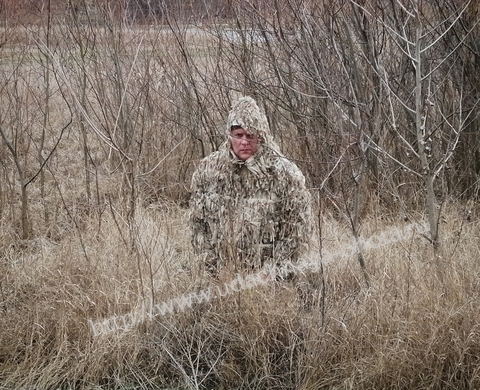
<point>107,106</point>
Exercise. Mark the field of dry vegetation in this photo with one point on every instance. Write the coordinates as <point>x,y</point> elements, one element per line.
<point>104,114</point>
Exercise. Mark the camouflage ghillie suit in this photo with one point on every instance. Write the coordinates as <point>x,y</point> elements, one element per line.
<point>247,213</point>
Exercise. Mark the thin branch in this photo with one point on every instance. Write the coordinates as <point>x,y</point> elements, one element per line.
<point>379,149</point>
<point>163,159</point>
<point>452,51</point>
<point>333,169</point>
<point>447,30</point>
<point>51,152</point>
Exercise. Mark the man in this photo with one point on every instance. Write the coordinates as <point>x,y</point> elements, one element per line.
<point>249,203</point>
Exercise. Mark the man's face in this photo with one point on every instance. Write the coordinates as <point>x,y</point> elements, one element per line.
<point>244,145</point>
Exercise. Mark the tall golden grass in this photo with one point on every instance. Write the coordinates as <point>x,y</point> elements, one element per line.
<point>408,329</point>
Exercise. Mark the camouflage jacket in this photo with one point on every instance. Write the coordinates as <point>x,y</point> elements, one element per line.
<point>249,212</point>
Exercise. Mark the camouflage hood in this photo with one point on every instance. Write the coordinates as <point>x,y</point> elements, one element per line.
<point>246,113</point>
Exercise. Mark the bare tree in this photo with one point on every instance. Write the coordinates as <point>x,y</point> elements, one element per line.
<point>436,130</point>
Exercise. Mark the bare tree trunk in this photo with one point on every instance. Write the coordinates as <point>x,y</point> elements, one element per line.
<point>420,126</point>
<point>46,114</point>
<point>25,223</point>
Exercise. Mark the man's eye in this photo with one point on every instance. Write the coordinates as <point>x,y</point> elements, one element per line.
<point>248,137</point>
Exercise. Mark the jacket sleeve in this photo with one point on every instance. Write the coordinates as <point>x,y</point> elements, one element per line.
<point>201,234</point>
<point>294,228</point>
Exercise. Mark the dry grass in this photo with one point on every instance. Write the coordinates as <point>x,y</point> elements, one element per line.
<point>414,326</point>
<point>407,330</point>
